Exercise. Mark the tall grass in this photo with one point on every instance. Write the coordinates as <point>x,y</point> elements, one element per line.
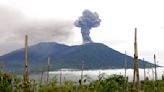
<point>113,83</point>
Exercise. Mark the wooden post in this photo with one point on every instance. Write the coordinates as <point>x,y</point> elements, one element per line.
<point>153,78</point>
<point>60,77</point>
<point>48,69</point>
<point>41,78</point>
<point>125,63</point>
<point>152,74</point>
<point>2,66</point>
<point>127,89</point>
<point>155,67</point>
<point>26,75</point>
<point>136,70</point>
<point>126,78</point>
<point>82,67</point>
<point>144,69</point>
<point>156,77</point>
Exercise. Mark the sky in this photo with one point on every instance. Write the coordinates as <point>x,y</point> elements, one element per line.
<point>53,21</point>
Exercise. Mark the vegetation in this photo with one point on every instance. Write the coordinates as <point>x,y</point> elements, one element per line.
<point>113,83</point>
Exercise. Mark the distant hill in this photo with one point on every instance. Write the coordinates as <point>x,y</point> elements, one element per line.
<point>94,55</point>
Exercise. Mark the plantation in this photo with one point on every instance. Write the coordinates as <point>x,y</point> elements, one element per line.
<point>113,83</point>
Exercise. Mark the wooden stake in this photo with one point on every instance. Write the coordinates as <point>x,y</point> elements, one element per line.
<point>60,77</point>
<point>136,70</point>
<point>126,78</point>
<point>155,67</point>
<point>82,67</point>
<point>41,79</point>
<point>144,69</point>
<point>156,77</point>
<point>26,75</point>
<point>2,66</point>
<point>125,63</point>
<point>152,74</point>
<point>127,89</point>
<point>48,69</point>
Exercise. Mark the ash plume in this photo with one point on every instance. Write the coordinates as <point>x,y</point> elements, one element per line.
<point>87,21</point>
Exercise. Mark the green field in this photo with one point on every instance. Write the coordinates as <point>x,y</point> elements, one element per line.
<point>113,83</point>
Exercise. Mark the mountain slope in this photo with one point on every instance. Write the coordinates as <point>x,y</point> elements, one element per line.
<point>94,56</point>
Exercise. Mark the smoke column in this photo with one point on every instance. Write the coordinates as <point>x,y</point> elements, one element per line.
<point>87,21</point>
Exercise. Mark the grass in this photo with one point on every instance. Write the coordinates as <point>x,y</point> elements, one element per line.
<point>113,83</point>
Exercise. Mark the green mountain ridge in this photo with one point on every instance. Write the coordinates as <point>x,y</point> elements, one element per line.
<point>94,56</point>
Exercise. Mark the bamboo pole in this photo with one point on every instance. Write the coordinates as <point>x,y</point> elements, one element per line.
<point>60,77</point>
<point>60,80</point>
<point>153,78</point>
<point>156,77</point>
<point>127,89</point>
<point>126,78</point>
<point>152,74</point>
<point>82,67</point>
<point>41,78</point>
<point>48,69</point>
<point>136,70</point>
<point>2,66</point>
<point>26,72</point>
<point>144,69</point>
<point>125,64</point>
<point>155,67</point>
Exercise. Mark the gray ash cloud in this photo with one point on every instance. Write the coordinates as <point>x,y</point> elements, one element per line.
<point>87,21</point>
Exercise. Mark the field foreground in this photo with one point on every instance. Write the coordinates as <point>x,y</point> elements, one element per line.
<point>112,83</point>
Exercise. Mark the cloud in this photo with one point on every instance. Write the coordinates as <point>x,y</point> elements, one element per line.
<point>43,30</point>
<point>14,25</point>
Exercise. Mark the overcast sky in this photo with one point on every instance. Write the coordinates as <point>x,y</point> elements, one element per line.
<point>52,20</point>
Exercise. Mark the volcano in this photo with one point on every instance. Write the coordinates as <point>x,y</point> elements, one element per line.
<point>94,56</point>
